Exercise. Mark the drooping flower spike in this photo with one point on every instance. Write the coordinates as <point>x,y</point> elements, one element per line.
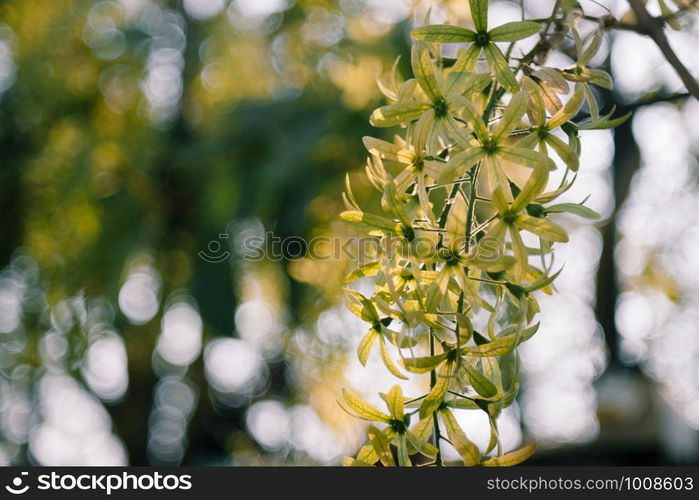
<point>454,291</point>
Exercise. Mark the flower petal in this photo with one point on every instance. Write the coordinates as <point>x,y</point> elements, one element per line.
<point>443,33</point>
<point>511,32</point>
<point>500,67</point>
<point>479,14</point>
<point>512,116</point>
<point>543,228</point>
<point>424,71</point>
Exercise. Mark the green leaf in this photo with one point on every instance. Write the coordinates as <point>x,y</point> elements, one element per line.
<point>367,454</point>
<point>613,123</point>
<point>401,341</point>
<point>422,445</point>
<point>480,383</point>
<point>551,99</point>
<point>395,403</point>
<point>363,409</point>
<point>369,269</point>
<point>491,369</point>
<point>424,71</point>
<point>601,78</point>
<point>573,208</point>
<point>384,150</point>
<point>437,290</point>
<point>491,263</point>
<point>511,458</point>
<point>394,203</point>
<point>395,114</point>
<point>499,66</point>
<point>468,451</point>
<point>421,133</point>
<point>511,395</point>
<point>499,200</point>
<point>552,77</point>
<point>528,333</point>
<point>497,347</point>
<point>463,83</point>
<point>369,222</point>
<point>497,232</point>
<point>526,157</point>
<point>591,49</point>
<point>390,365</point>
<point>565,152</point>
<point>542,282</point>
<point>423,364</point>
<point>456,222</point>
<point>569,110</point>
<point>402,452</point>
<point>512,116</point>
<point>381,446</point>
<point>472,116</point>
<point>357,309</point>
<point>591,103</point>
<point>520,252</point>
<point>536,183</point>
<point>436,395</point>
<point>423,429</point>
<point>493,435</point>
<point>367,312</point>
<point>511,32</point>
<point>460,135</point>
<point>479,13</point>
<point>390,88</point>
<point>366,345</point>
<point>543,228</point>
<point>605,122</point>
<point>443,33</point>
<point>537,108</point>
<point>348,196</point>
<point>466,61</point>
<point>352,462</point>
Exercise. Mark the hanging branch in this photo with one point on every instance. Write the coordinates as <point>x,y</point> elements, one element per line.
<point>654,28</point>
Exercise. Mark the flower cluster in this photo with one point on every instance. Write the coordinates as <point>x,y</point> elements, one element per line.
<point>473,171</point>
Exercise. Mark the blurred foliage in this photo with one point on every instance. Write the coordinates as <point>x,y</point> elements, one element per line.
<point>133,134</point>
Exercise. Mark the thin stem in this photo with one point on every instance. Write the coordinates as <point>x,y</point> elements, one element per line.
<point>485,224</point>
<point>552,16</point>
<point>433,382</point>
<point>454,393</point>
<point>492,282</point>
<point>651,27</point>
<point>471,207</point>
<point>415,399</point>
<point>436,186</point>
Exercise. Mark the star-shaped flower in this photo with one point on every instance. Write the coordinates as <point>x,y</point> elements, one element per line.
<point>491,147</point>
<point>407,441</point>
<point>542,135</point>
<point>513,219</point>
<point>482,40</point>
<point>438,94</point>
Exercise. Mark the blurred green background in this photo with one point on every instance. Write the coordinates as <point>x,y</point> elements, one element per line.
<point>143,141</point>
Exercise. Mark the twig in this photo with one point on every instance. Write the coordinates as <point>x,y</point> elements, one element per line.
<point>435,420</point>
<point>652,27</point>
